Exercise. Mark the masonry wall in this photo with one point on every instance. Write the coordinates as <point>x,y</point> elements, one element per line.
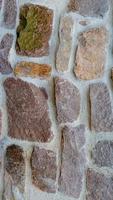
<point>56,100</point>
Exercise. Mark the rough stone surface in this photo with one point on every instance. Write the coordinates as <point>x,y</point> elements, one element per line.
<point>101,110</point>
<point>10,12</point>
<point>102,154</point>
<point>93,8</point>
<point>91,54</point>
<point>27,107</point>
<point>73,161</point>
<point>64,50</point>
<point>99,186</point>
<point>5,46</point>
<point>34,30</point>
<point>32,70</point>
<point>44,169</point>
<point>67,101</point>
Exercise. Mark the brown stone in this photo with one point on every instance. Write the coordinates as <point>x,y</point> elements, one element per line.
<point>102,154</point>
<point>91,54</point>
<point>67,101</point>
<point>10,13</point>
<point>93,8</point>
<point>28,116</point>
<point>34,30</point>
<point>99,186</point>
<point>44,169</point>
<point>101,110</point>
<point>64,50</point>
<point>73,160</point>
<point>32,70</point>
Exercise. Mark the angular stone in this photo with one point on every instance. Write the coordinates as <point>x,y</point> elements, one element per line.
<point>32,70</point>
<point>101,110</point>
<point>34,30</point>
<point>44,169</point>
<point>10,13</point>
<point>64,50</point>
<point>67,101</point>
<point>73,161</point>
<point>28,116</point>
<point>93,8</point>
<point>91,54</point>
<point>99,186</point>
<point>5,46</point>
<point>102,154</point>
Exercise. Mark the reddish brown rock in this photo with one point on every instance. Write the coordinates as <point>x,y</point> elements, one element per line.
<point>93,8</point>
<point>101,110</point>
<point>73,161</point>
<point>28,116</point>
<point>44,169</point>
<point>67,101</point>
<point>10,13</point>
<point>99,186</point>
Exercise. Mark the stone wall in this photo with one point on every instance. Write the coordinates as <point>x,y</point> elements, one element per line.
<point>56,108</point>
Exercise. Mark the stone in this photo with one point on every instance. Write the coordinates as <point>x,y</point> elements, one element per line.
<point>67,101</point>
<point>32,70</point>
<point>112,74</point>
<point>44,169</point>
<point>92,8</point>
<point>34,30</point>
<point>73,161</point>
<point>101,109</point>
<point>102,154</point>
<point>91,54</point>
<point>10,13</point>
<point>5,46</point>
<point>28,115</point>
<point>99,186</point>
<point>64,50</point>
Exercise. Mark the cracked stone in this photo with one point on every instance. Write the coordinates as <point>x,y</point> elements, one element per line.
<point>101,110</point>
<point>73,161</point>
<point>67,101</point>
<point>64,50</point>
<point>28,115</point>
<point>91,54</point>
<point>44,169</point>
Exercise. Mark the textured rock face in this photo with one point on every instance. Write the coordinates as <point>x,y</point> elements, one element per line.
<point>44,169</point>
<point>101,110</point>
<point>32,70</point>
<point>99,186</point>
<point>5,46</point>
<point>10,12</point>
<point>28,117</point>
<point>91,54</point>
<point>64,51</point>
<point>93,8</point>
<point>102,154</point>
<point>67,101</point>
<point>34,31</point>
<point>72,161</point>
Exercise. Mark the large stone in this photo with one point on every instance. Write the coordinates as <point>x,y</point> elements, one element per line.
<point>91,54</point>
<point>67,101</point>
<point>101,110</point>
<point>93,8</point>
<point>5,46</point>
<point>102,154</point>
<point>99,186</point>
<point>64,50</point>
<point>10,13</point>
<point>44,169</point>
<point>28,116</point>
<point>34,30</point>
<point>32,70</point>
<point>73,160</point>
